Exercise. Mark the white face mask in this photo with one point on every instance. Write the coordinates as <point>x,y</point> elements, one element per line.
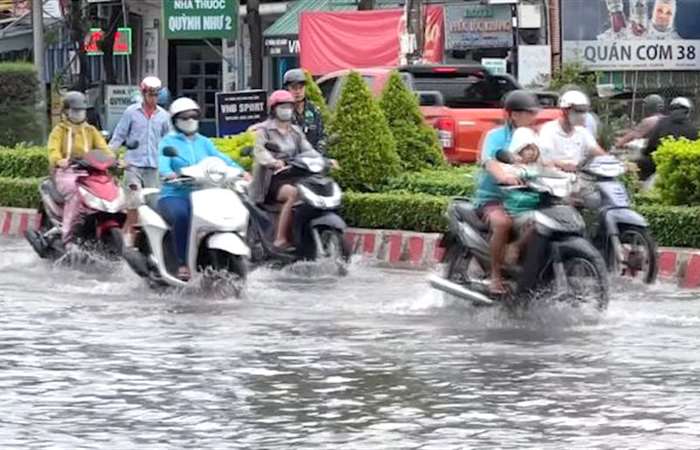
<point>577,119</point>
<point>77,115</point>
<point>188,126</point>
<point>285,113</point>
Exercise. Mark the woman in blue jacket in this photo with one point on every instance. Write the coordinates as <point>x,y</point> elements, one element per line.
<point>174,203</point>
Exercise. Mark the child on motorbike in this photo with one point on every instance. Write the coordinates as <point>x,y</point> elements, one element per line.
<point>70,140</point>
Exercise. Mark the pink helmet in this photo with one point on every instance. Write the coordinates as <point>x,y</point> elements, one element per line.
<point>279,97</point>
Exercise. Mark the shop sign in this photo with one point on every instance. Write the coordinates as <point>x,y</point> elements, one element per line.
<point>200,19</point>
<point>122,42</point>
<point>470,25</point>
<point>236,111</point>
<point>615,35</point>
<point>282,46</point>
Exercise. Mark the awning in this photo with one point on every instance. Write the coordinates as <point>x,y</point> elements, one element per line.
<point>282,37</point>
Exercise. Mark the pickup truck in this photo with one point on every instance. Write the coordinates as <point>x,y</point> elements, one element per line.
<point>463,102</point>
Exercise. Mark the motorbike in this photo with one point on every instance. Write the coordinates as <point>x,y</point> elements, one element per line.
<point>217,240</point>
<point>557,257</point>
<point>317,229</point>
<point>621,234</point>
<point>103,201</point>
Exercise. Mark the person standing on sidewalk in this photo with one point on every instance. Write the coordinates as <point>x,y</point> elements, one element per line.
<point>307,116</point>
<point>144,124</point>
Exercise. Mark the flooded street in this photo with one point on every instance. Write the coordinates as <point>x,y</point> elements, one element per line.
<point>375,360</point>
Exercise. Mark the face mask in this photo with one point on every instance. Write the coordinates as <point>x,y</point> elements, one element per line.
<point>577,119</point>
<point>285,113</point>
<point>77,115</point>
<point>188,126</point>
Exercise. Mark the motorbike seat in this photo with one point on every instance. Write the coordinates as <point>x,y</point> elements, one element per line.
<point>467,213</point>
<point>49,187</point>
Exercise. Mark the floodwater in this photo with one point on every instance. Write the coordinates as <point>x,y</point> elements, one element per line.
<point>375,360</point>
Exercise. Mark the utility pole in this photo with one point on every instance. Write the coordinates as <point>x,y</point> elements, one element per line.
<point>38,31</point>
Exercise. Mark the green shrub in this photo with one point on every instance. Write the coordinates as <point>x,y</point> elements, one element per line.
<point>19,87</point>
<point>573,74</point>
<point>366,149</point>
<point>673,226</point>
<point>19,193</point>
<point>314,94</point>
<point>232,146</point>
<point>678,172</point>
<point>416,142</point>
<point>451,182</point>
<point>24,162</point>
<point>400,211</point>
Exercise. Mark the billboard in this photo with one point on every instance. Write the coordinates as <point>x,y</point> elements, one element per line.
<point>236,111</point>
<point>473,25</point>
<point>632,34</point>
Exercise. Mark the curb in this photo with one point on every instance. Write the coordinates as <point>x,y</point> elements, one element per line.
<point>407,249</point>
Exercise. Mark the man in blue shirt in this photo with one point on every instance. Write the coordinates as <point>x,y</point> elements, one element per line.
<point>146,123</point>
<point>521,108</point>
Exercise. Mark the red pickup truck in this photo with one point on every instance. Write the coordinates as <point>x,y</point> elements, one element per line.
<point>463,102</point>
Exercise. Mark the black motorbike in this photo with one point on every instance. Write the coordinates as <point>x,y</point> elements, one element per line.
<point>317,229</point>
<point>558,259</point>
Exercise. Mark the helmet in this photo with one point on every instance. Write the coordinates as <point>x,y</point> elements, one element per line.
<point>681,103</point>
<point>571,99</point>
<point>521,100</point>
<point>164,98</point>
<point>151,84</point>
<point>654,103</point>
<point>75,100</point>
<point>523,137</point>
<point>183,104</point>
<point>294,76</point>
<point>279,97</point>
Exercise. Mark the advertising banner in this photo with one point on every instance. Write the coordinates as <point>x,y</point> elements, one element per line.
<point>117,99</point>
<point>632,34</point>
<point>200,19</point>
<point>473,25</point>
<point>236,111</point>
<point>534,64</point>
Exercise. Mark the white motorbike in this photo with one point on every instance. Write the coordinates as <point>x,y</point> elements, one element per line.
<point>217,241</point>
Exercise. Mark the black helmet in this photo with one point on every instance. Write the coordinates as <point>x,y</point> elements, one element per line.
<point>654,103</point>
<point>75,100</point>
<point>521,100</point>
<point>294,76</point>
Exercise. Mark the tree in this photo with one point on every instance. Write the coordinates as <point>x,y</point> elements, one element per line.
<point>314,94</point>
<point>416,142</point>
<point>106,44</point>
<point>256,50</point>
<point>366,150</point>
<point>78,30</point>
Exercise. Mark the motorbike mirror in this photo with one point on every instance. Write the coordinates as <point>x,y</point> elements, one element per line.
<point>505,157</point>
<point>131,145</point>
<point>247,151</point>
<point>170,152</point>
<point>273,147</point>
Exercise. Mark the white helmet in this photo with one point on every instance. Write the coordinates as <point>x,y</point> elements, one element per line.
<point>183,104</point>
<point>523,137</point>
<point>151,84</point>
<point>681,102</point>
<point>572,99</point>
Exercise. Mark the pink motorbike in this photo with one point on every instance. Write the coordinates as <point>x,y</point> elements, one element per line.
<point>103,202</point>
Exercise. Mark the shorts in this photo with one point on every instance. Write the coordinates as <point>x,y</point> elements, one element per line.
<point>136,178</point>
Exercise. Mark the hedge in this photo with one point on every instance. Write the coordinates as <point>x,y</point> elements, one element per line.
<point>19,87</point>
<point>678,171</point>
<point>232,146</point>
<point>452,182</point>
<point>24,162</point>
<point>19,193</point>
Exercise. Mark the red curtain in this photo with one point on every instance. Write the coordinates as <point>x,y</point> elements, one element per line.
<point>332,41</point>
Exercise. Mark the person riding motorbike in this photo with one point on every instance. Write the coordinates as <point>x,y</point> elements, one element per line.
<point>678,124</point>
<point>145,123</point>
<point>70,140</point>
<point>521,108</point>
<point>653,106</point>
<point>174,203</point>
<point>565,142</point>
<point>306,115</point>
<point>270,185</point>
